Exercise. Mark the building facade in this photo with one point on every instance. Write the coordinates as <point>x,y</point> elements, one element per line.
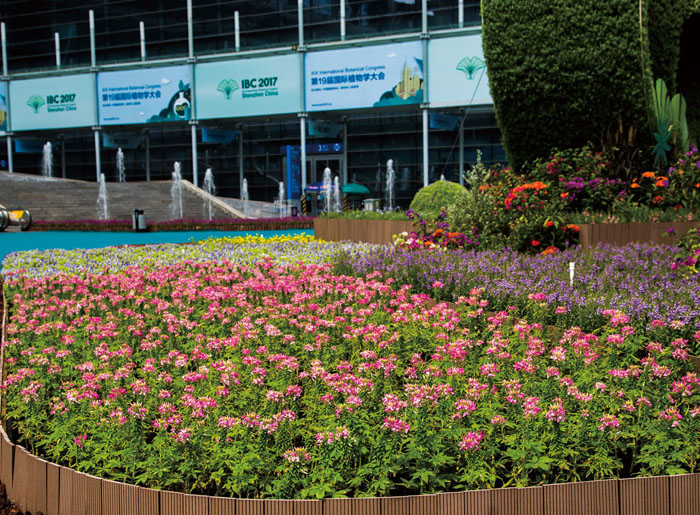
<point>270,91</point>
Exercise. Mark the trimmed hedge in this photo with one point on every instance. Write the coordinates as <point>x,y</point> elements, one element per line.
<point>430,200</point>
<point>689,72</point>
<point>563,72</point>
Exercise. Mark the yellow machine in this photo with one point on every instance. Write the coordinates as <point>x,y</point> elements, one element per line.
<point>19,217</point>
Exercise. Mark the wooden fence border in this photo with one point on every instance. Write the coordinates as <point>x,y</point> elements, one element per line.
<point>36,485</point>
<point>361,231</point>
<point>590,235</point>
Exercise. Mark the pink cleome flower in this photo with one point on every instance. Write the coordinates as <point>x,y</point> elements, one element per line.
<point>471,440</point>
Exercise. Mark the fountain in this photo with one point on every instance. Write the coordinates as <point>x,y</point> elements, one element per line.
<point>47,161</point>
<point>337,204</point>
<point>121,174</point>
<point>283,203</point>
<point>326,189</point>
<point>176,192</point>
<point>210,188</point>
<point>244,196</point>
<point>102,207</point>
<point>390,180</point>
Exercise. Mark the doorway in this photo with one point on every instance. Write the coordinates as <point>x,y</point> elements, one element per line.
<point>315,165</point>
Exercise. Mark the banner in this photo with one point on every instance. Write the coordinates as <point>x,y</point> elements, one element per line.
<point>52,103</point>
<point>329,130</point>
<point>458,72</point>
<point>248,87</point>
<point>3,108</point>
<point>130,141</point>
<point>216,135</point>
<point>31,146</point>
<point>444,122</point>
<point>377,76</point>
<point>148,95</point>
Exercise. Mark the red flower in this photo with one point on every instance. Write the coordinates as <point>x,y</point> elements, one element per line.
<point>535,243</point>
<point>549,223</point>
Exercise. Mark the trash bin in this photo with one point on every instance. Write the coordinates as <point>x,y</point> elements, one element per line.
<point>138,220</point>
<point>372,204</point>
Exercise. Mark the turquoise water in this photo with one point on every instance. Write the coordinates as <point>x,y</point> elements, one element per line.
<point>68,240</point>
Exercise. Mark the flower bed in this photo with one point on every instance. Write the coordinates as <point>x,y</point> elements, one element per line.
<point>222,224</point>
<point>640,280</point>
<point>295,382</point>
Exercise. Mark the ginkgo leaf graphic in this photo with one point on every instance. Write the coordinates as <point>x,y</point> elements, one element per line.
<point>227,86</point>
<point>470,65</point>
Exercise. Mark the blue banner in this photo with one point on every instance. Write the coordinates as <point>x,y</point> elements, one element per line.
<point>458,72</point>
<point>444,122</point>
<point>3,108</point>
<point>52,103</point>
<point>329,130</point>
<point>131,141</point>
<point>248,87</point>
<point>148,95</point>
<point>293,161</point>
<point>376,76</point>
<point>216,135</point>
<point>31,146</point>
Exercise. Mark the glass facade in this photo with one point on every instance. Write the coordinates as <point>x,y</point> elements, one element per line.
<point>258,144</point>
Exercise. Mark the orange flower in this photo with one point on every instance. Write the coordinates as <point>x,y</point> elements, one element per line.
<point>550,250</point>
<point>549,223</point>
<point>634,185</point>
<point>572,227</point>
<point>564,195</point>
<point>661,182</point>
<point>697,185</point>
<point>648,175</point>
<point>437,233</point>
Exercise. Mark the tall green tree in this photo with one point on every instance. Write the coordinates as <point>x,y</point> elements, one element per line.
<point>563,73</point>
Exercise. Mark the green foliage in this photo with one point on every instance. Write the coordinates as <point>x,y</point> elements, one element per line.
<point>688,72</point>
<point>666,19</point>
<point>430,201</point>
<point>361,214</point>
<point>671,128</point>
<point>562,72</point>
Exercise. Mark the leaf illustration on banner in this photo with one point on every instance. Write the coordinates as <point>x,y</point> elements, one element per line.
<point>227,86</point>
<point>470,65</point>
<point>35,102</point>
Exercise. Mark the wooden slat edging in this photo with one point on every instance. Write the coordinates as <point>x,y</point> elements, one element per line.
<point>119,498</point>
<point>685,494</point>
<point>38,472</point>
<point>149,501</point>
<point>87,494</point>
<point>65,491</point>
<point>222,506</point>
<point>368,231</point>
<point>584,498</point>
<point>7,453</point>
<point>644,496</point>
<point>473,502</point>
<point>250,507</point>
<point>279,507</point>
<point>517,501</point>
<point>52,489</point>
<point>175,503</point>
<point>368,506</point>
<point>409,505</point>
<point>20,477</point>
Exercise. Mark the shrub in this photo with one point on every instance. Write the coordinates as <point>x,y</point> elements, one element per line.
<point>430,200</point>
<point>584,69</point>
